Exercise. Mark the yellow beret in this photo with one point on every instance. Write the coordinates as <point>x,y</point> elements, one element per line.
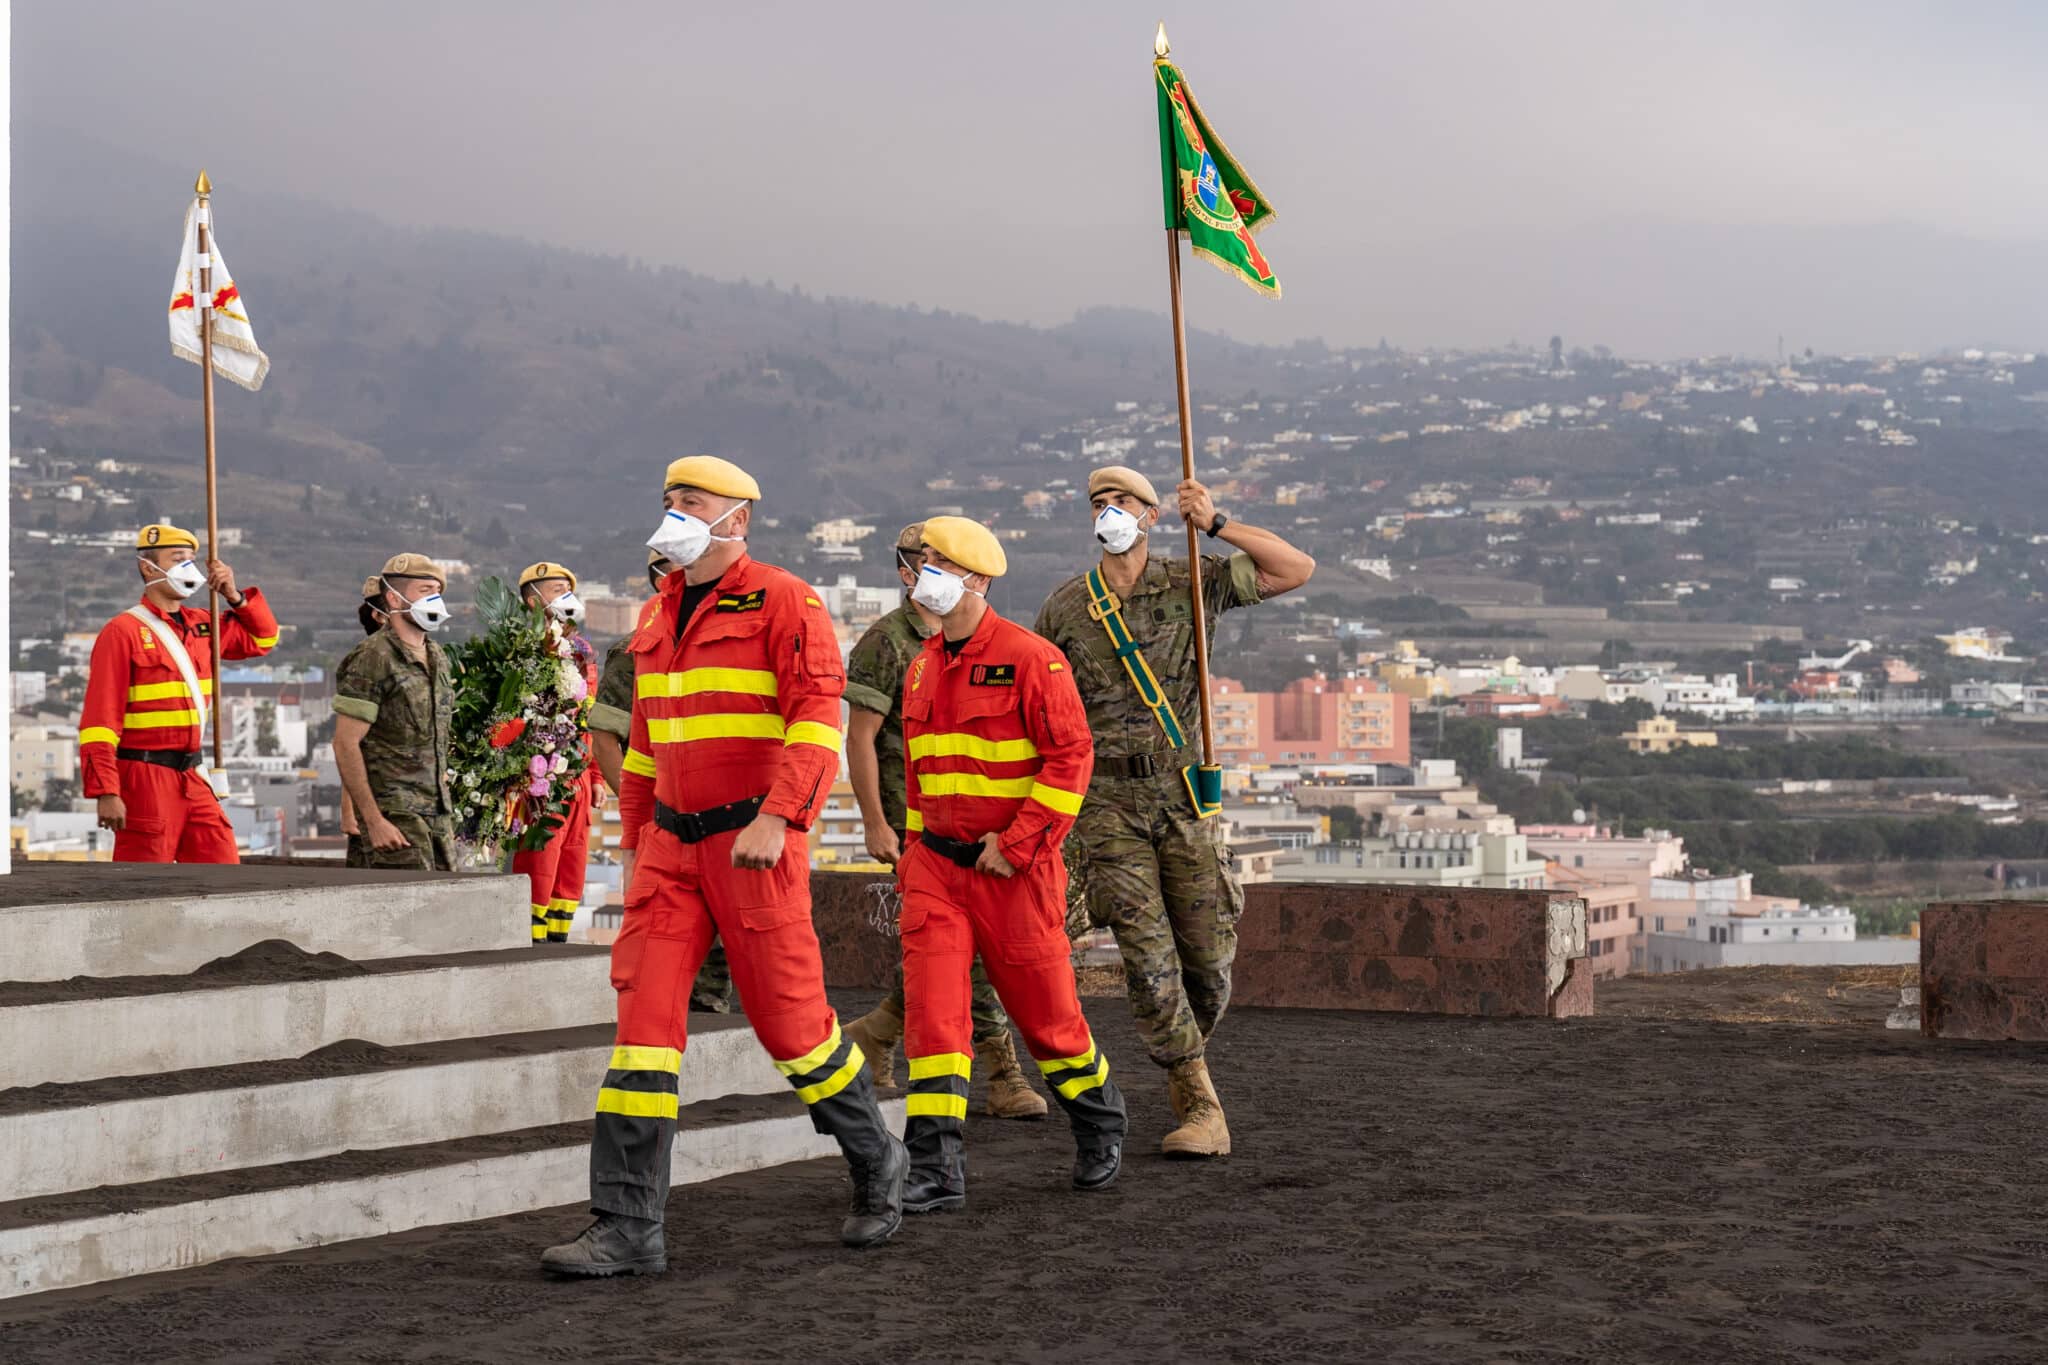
<point>713,475</point>
<point>164,536</point>
<point>373,588</point>
<point>910,539</point>
<point>1116,478</point>
<point>967,543</point>
<point>534,573</point>
<point>414,566</point>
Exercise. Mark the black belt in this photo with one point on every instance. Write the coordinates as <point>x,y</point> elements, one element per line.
<point>1143,765</point>
<point>695,826</point>
<point>964,852</point>
<point>179,759</point>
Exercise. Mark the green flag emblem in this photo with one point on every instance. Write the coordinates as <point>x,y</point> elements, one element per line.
<point>1207,194</point>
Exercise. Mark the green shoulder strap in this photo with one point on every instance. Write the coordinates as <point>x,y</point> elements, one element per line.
<point>1204,791</point>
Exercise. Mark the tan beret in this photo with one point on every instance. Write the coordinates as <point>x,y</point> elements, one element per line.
<point>655,557</point>
<point>967,543</point>
<point>910,539</point>
<point>713,475</point>
<point>1116,478</point>
<point>546,569</point>
<point>414,566</point>
<point>373,588</point>
<point>164,536</point>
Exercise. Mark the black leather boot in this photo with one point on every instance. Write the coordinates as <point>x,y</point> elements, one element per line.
<point>1096,1165</point>
<point>938,1175</point>
<point>877,1198</point>
<point>613,1245</point>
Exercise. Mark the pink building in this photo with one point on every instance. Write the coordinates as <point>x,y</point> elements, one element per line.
<point>1315,720</point>
<point>1614,920</point>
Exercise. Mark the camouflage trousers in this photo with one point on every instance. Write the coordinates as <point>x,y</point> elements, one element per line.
<point>1160,881</point>
<point>712,989</point>
<point>430,840</point>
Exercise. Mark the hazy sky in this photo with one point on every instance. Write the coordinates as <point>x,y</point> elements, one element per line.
<point>1663,177</point>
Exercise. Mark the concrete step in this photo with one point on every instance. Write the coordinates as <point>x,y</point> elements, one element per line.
<point>353,1097</point>
<point>143,921</point>
<point>273,1002</point>
<point>64,1241</point>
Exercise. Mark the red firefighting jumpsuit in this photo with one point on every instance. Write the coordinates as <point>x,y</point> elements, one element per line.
<point>996,740</point>
<point>743,708</point>
<point>138,734</point>
<point>555,871</point>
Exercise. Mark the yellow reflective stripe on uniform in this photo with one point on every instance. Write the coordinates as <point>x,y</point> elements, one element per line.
<point>973,784</point>
<point>719,725</point>
<point>935,1107</point>
<point>98,734</point>
<point>691,682</point>
<point>815,1058</point>
<point>941,1064</point>
<point>637,763</point>
<point>164,691</point>
<point>647,1059</point>
<point>1056,798</point>
<point>836,1082</point>
<point>813,732</point>
<point>953,745</point>
<point>1071,1089</point>
<point>158,720</point>
<point>636,1104</point>
<point>1052,1064</point>
<point>265,641</point>
<point>913,821</point>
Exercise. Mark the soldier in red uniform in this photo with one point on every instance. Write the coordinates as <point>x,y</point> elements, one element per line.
<point>998,755</point>
<point>555,871</point>
<point>733,747</point>
<point>139,732</point>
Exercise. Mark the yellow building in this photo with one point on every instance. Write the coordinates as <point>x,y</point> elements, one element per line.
<point>1660,735</point>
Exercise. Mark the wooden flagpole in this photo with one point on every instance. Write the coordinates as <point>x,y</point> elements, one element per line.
<point>1187,471</point>
<point>202,299</point>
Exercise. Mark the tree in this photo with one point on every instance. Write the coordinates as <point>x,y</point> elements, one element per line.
<point>494,535</point>
<point>24,799</point>
<point>59,792</point>
<point>267,745</point>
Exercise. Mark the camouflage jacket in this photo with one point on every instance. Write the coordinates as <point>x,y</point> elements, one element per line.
<point>874,682</point>
<point>611,707</point>
<point>1159,612</point>
<point>408,707</point>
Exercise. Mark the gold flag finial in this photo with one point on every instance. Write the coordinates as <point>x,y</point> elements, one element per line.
<point>1159,47</point>
<point>202,186</point>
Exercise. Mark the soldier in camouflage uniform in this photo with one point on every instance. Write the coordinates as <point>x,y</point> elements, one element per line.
<point>874,753</point>
<point>1157,875</point>
<point>611,722</point>
<point>394,698</point>
<point>371,614</point>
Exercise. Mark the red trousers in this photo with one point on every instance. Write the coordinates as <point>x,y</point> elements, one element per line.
<point>555,872</point>
<point>1018,926</point>
<point>173,817</point>
<point>682,894</point>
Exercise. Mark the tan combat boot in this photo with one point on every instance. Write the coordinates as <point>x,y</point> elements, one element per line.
<point>1010,1096</point>
<point>876,1034</point>
<point>1202,1132</point>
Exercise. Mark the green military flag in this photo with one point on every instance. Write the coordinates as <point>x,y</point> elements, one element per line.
<point>1207,194</point>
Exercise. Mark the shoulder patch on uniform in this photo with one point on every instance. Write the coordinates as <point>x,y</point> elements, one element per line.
<point>202,628</point>
<point>745,601</point>
<point>1053,665</point>
<point>917,672</point>
<point>812,602</point>
<point>993,675</point>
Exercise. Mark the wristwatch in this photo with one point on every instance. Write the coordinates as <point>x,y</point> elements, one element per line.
<point>1216,526</point>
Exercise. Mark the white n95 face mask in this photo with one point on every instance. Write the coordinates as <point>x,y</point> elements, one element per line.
<point>429,613</point>
<point>568,607</point>
<point>183,578</point>
<point>938,590</point>
<point>1116,529</point>
<point>682,539</point>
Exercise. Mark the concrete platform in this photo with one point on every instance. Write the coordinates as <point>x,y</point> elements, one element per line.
<point>55,1139</point>
<point>82,1031</point>
<point>62,920</point>
<point>60,1243</point>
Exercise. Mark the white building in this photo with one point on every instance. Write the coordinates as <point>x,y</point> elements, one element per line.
<point>1715,935</point>
<point>1422,858</point>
